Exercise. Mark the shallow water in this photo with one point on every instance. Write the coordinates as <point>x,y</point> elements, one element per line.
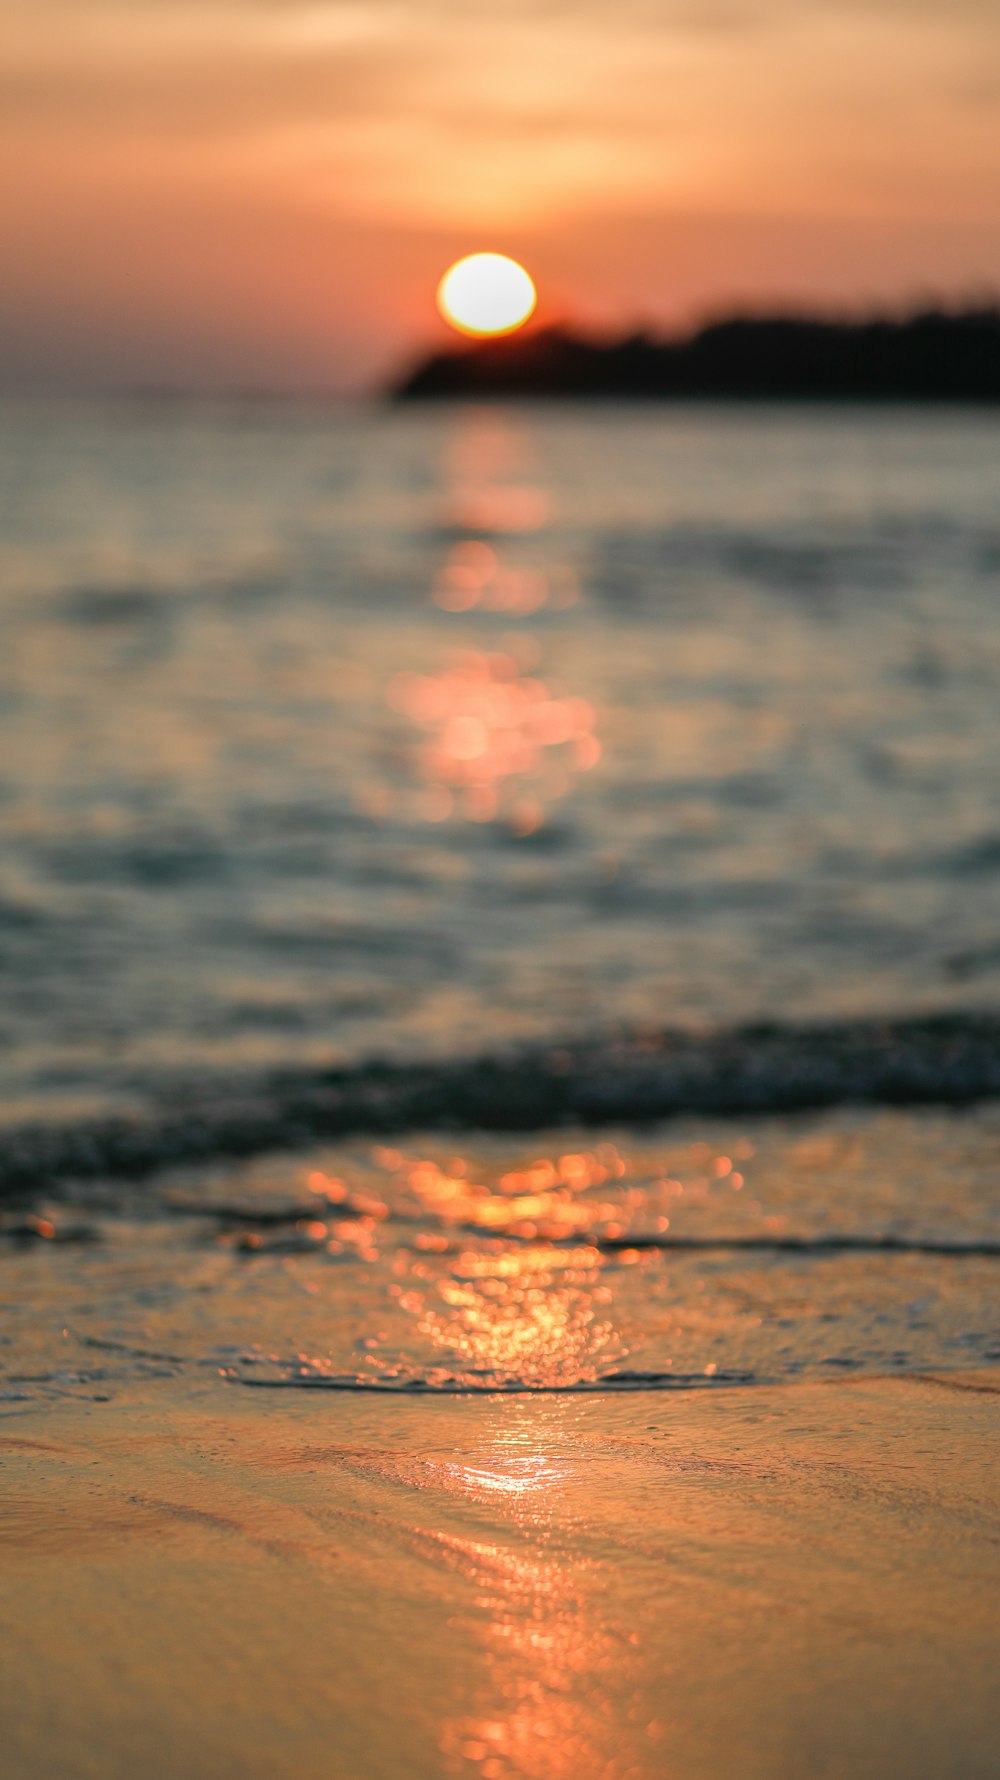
<point>697,1256</point>
<point>337,731</point>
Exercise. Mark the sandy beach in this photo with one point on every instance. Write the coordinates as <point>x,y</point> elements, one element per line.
<point>779,1583</point>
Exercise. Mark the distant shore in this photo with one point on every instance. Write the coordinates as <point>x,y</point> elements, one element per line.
<point>935,356</point>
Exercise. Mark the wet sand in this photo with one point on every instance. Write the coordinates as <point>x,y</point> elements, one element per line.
<point>772,1584</point>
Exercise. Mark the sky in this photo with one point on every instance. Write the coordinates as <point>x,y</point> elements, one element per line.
<point>264,193</point>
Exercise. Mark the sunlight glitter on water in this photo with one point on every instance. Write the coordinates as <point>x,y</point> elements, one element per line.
<point>860,1242</point>
<point>499,742</point>
<point>551,1662</point>
<point>513,1477</point>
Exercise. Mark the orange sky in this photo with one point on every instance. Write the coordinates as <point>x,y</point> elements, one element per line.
<point>265,192</point>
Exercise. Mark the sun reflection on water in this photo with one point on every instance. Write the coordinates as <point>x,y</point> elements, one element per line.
<point>476,575</point>
<point>492,731</point>
<point>533,1317</point>
<point>496,740</point>
<point>507,1272</point>
<point>514,1476</point>
<point>553,1670</point>
<point>510,1286</point>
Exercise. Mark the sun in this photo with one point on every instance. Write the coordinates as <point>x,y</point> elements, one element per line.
<point>486,293</point>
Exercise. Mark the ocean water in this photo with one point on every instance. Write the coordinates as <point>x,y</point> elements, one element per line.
<point>694,1254</point>
<point>330,733</point>
<point>429,736</point>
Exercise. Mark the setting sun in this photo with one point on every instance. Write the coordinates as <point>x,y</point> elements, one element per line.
<point>486,293</point>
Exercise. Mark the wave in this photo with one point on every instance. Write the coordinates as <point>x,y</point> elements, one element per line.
<point>832,1244</point>
<point>465,1387</point>
<point>262,1217</point>
<point>947,1059</point>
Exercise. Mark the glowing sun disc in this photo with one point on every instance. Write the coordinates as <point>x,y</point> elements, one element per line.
<point>486,293</point>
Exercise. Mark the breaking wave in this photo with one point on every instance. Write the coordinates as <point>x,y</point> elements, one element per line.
<point>759,1069</point>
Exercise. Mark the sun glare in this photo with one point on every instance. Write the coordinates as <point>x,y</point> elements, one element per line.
<point>486,293</point>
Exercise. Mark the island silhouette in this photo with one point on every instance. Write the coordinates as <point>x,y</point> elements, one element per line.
<point>931,356</point>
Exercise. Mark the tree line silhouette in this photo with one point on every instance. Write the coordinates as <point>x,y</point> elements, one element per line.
<point>933,356</point>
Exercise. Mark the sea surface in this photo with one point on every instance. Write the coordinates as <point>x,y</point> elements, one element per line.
<point>340,734</point>
<point>695,1254</point>
<point>330,732</point>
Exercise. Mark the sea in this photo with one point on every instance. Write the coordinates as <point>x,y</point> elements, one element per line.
<point>342,741</point>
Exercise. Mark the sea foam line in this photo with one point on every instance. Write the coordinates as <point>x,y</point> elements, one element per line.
<point>949,1059</point>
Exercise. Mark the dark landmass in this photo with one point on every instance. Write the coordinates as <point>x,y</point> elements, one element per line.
<point>951,1059</point>
<point>930,357</point>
